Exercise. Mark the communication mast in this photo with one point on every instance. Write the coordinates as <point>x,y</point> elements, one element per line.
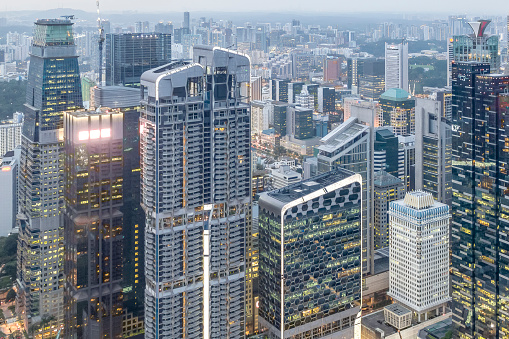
<point>101,42</point>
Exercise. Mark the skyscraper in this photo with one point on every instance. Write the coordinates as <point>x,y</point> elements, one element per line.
<point>372,79</point>
<point>387,188</point>
<point>128,55</point>
<point>127,99</point>
<point>419,254</point>
<point>186,26</point>
<point>350,147</point>
<point>310,257</point>
<point>479,222</point>
<point>398,111</point>
<point>53,86</point>
<point>195,168</point>
<point>477,46</point>
<point>396,66</point>
<point>93,223</point>
<point>433,150</point>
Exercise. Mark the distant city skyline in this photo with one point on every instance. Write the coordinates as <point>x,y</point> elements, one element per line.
<point>285,6</point>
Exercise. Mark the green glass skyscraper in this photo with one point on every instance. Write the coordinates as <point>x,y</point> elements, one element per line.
<point>54,86</point>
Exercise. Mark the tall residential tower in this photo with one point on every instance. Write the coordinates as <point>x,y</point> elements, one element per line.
<point>195,168</point>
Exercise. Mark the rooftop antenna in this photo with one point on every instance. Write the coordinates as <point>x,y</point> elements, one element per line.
<point>101,41</point>
<point>68,17</point>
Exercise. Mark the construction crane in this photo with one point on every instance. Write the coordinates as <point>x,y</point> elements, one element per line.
<point>101,42</point>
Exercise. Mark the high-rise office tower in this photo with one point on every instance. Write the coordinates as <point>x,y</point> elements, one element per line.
<point>372,79</point>
<point>386,151</point>
<point>350,147</point>
<point>326,99</point>
<point>396,66</point>
<point>128,55</point>
<point>127,100</point>
<point>294,89</point>
<point>195,169</point>
<point>433,150</point>
<point>478,46</point>
<point>186,26</point>
<point>280,90</point>
<point>93,223</point>
<point>300,123</point>
<point>280,118</point>
<point>442,95</point>
<point>310,257</point>
<point>398,111</point>
<point>355,68</point>
<point>53,87</point>
<point>332,68</point>
<point>419,254</point>
<point>386,188</point>
<point>479,221</point>
<point>450,58</point>
<point>406,161</point>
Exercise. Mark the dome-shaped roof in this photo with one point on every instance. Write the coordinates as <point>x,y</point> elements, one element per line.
<point>397,94</point>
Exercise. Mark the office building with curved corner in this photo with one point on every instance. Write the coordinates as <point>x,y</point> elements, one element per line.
<point>195,171</point>
<point>310,272</point>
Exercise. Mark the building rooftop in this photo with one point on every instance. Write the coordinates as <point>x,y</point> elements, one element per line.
<point>419,199</point>
<point>99,111</point>
<point>342,135</point>
<point>300,189</point>
<point>384,179</point>
<point>376,321</point>
<point>437,330</point>
<point>419,205</point>
<point>397,309</point>
<point>396,94</point>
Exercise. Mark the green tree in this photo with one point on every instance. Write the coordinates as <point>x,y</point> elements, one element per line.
<point>11,295</point>
<point>12,97</point>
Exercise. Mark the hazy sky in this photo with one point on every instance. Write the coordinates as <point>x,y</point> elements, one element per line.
<point>498,7</point>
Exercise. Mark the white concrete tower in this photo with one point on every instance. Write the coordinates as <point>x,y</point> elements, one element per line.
<point>419,253</point>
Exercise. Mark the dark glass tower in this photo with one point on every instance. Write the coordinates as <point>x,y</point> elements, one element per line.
<point>93,223</point>
<point>129,55</point>
<point>480,222</point>
<point>53,86</point>
<point>128,101</point>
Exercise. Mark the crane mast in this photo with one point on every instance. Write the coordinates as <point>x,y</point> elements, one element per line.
<point>101,42</point>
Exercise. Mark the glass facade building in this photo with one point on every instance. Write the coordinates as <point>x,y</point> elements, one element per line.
<point>477,47</point>
<point>53,86</point>
<point>128,55</point>
<point>303,120</point>
<point>93,223</point>
<point>480,198</point>
<point>398,111</point>
<point>127,100</point>
<point>280,114</point>
<point>310,257</point>
<point>372,79</point>
<point>350,147</point>
<point>433,150</point>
